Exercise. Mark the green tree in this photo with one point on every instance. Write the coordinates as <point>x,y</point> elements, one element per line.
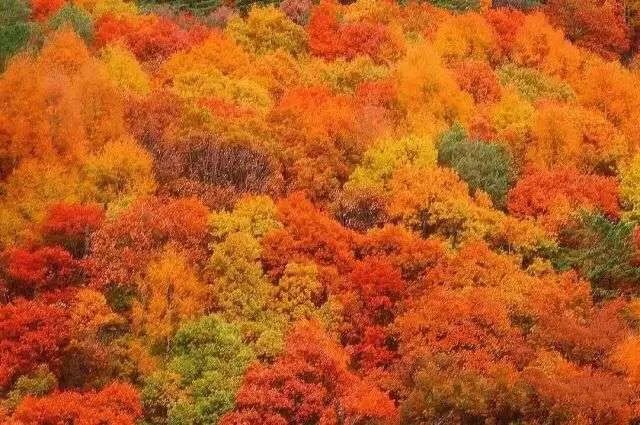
<point>15,28</point>
<point>38,384</point>
<point>457,5</point>
<point>482,165</point>
<point>517,4</point>
<point>242,291</point>
<point>75,17</point>
<point>602,251</point>
<point>207,360</point>
<point>211,358</point>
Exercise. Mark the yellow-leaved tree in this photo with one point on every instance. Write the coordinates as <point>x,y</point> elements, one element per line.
<point>428,91</point>
<point>169,294</point>
<point>120,173</point>
<point>265,30</point>
<point>124,69</point>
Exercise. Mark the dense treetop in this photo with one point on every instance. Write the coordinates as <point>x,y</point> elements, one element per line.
<point>319,213</point>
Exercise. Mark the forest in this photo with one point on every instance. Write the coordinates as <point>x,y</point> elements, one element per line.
<point>319,212</point>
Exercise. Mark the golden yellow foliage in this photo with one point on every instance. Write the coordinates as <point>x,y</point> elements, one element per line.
<point>98,8</point>
<point>466,36</point>
<point>124,69</point>
<point>121,172</point>
<point>217,52</point>
<point>265,30</point>
<point>428,92</point>
<point>27,193</point>
<point>170,293</point>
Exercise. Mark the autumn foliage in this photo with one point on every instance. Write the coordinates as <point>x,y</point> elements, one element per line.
<point>297,212</point>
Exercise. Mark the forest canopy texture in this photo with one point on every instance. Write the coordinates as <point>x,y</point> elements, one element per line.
<point>319,213</point>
